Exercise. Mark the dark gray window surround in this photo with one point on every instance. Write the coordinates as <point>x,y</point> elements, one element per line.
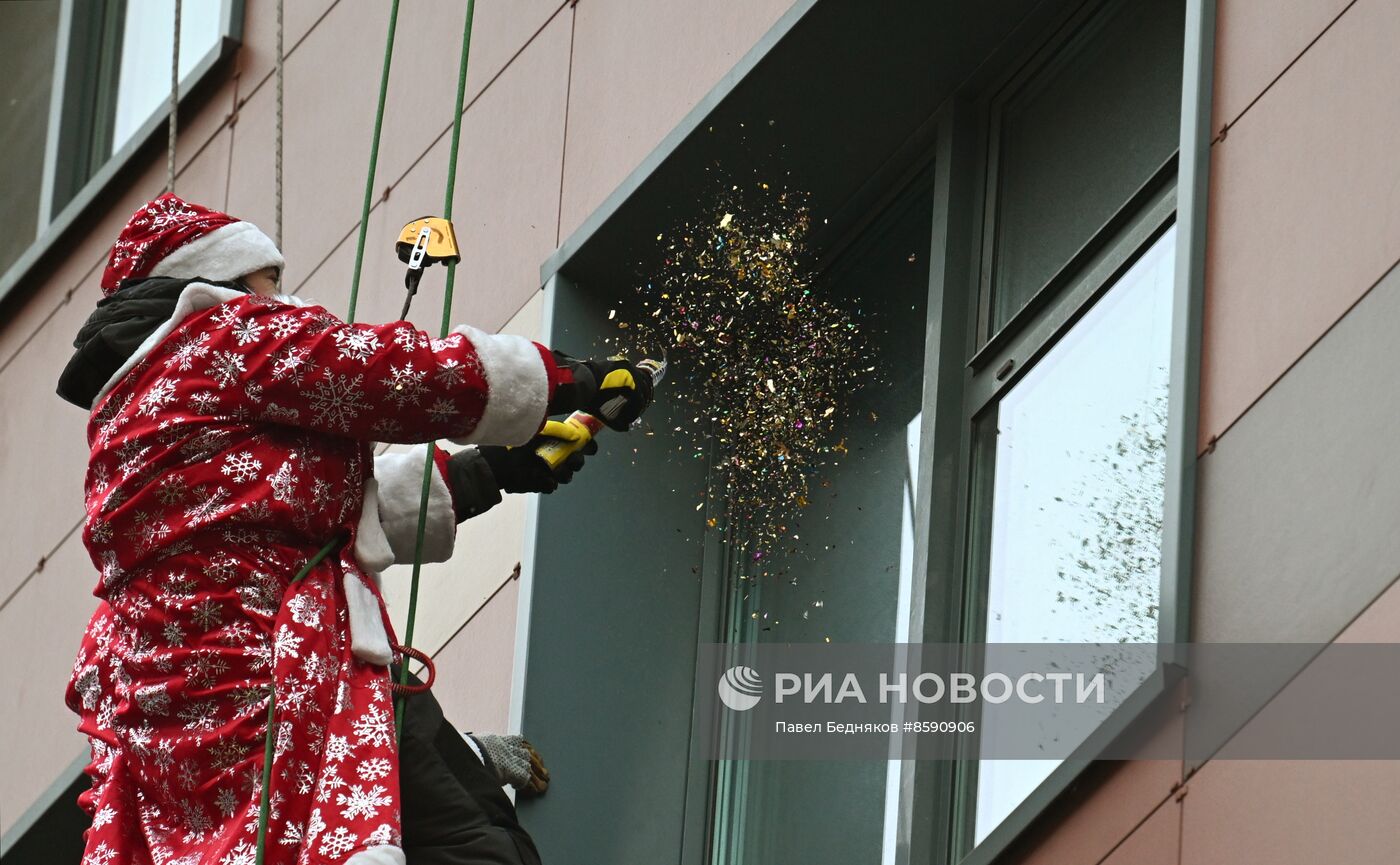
<point>813,101</point>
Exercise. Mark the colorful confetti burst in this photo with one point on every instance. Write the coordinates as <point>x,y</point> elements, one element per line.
<point>769,363</point>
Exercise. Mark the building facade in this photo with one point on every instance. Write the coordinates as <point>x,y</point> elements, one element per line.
<point>1184,209</point>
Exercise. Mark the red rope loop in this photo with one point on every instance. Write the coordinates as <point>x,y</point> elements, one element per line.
<point>406,689</point>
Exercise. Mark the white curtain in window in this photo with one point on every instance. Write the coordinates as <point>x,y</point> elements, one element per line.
<point>143,81</point>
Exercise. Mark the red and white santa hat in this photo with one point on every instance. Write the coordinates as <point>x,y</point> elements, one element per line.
<point>172,237</point>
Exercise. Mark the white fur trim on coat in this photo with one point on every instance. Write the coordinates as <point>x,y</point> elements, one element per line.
<point>195,297</point>
<point>369,640</point>
<point>399,478</point>
<point>383,854</point>
<point>518,388</point>
<point>372,549</point>
<point>226,253</point>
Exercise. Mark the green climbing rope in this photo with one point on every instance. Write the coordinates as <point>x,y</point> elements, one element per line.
<point>446,327</point>
<point>373,161</point>
<point>269,739</point>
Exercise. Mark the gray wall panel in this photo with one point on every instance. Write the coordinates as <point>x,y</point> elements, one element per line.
<point>1299,500</point>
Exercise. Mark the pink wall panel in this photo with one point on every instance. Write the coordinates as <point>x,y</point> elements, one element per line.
<point>505,208</point>
<point>1255,40</point>
<point>329,109</point>
<point>40,631</point>
<point>45,438</point>
<point>1291,813</point>
<point>514,141</point>
<point>1098,822</point>
<point>1156,842</point>
<point>1378,623</point>
<point>1095,818</point>
<point>424,78</point>
<point>1304,210</point>
<point>474,669</point>
<point>633,81</point>
<point>258,54</point>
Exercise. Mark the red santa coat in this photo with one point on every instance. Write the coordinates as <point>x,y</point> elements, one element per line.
<point>233,446</point>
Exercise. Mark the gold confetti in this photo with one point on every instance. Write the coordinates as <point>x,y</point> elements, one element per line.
<point>765,359</point>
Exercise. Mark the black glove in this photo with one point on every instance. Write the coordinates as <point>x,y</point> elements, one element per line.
<point>521,470</point>
<point>614,391</point>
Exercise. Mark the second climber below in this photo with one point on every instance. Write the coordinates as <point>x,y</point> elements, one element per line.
<point>231,435</point>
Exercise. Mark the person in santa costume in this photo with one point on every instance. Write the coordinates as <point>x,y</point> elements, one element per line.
<point>231,438</point>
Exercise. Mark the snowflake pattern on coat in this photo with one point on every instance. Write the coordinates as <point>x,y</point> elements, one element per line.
<point>220,463</point>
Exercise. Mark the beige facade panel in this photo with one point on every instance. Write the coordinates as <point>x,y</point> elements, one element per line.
<point>486,554</point>
<point>1305,216</point>
<point>505,207</point>
<point>1156,842</point>
<point>475,668</point>
<point>1104,813</point>
<point>41,629</point>
<point>1255,40</point>
<point>1296,521</point>
<point>258,55</point>
<point>1291,813</point>
<point>54,456</point>
<point>622,102</point>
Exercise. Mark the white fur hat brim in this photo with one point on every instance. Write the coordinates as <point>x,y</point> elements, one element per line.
<point>222,255</point>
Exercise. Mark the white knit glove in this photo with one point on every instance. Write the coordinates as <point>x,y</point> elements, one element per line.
<point>514,760</point>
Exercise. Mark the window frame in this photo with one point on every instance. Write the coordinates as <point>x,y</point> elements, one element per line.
<point>70,109</point>
<point>1077,287</point>
<point>957,391</point>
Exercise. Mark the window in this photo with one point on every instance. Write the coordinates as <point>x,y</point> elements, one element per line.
<point>1014,485</point>
<point>1071,472</point>
<point>1065,402</point>
<point>88,83</point>
<point>28,34</point>
<point>143,74</point>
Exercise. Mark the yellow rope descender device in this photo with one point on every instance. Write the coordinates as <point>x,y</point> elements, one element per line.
<point>425,241</point>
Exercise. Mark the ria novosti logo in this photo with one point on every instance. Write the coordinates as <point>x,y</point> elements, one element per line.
<point>740,688</point>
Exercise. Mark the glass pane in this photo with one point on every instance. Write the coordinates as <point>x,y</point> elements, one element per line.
<point>1078,139</point>
<point>144,75</point>
<point>851,579</point>
<point>28,35</point>
<point>1076,513</point>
